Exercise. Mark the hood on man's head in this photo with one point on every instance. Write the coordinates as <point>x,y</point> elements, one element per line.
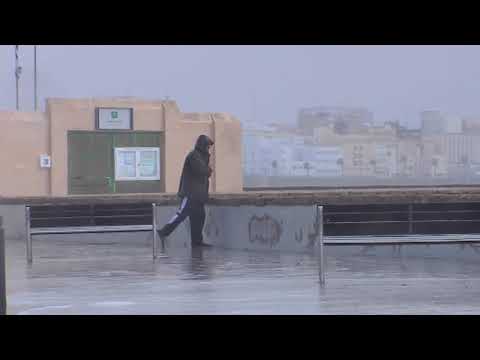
<point>203,142</point>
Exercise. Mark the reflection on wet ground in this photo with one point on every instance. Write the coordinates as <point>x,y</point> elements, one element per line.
<point>115,274</point>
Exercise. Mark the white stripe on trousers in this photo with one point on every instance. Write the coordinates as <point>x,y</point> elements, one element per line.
<point>182,206</point>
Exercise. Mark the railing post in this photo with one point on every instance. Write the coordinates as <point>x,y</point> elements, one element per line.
<point>320,245</point>
<point>28,235</point>
<point>410,218</point>
<point>91,214</point>
<point>154,229</point>
<point>3,276</point>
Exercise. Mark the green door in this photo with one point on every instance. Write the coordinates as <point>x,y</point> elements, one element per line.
<point>91,162</point>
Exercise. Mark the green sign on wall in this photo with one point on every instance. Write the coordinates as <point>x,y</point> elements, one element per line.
<point>114,118</point>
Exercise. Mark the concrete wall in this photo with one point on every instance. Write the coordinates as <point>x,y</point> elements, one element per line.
<point>180,137</point>
<point>269,228</point>
<point>277,228</point>
<point>13,221</point>
<point>23,138</point>
<point>228,148</point>
<point>182,131</point>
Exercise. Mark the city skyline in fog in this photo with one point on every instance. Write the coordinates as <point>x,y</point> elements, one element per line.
<point>260,83</point>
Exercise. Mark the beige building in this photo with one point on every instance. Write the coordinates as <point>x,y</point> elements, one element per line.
<point>409,156</point>
<point>370,151</point>
<point>434,159</point>
<point>117,145</point>
<point>388,151</point>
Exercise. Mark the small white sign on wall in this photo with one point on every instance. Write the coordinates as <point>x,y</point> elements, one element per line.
<point>45,161</point>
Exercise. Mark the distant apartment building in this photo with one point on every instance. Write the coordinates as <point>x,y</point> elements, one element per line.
<point>433,122</point>
<point>451,144</point>
<point>369,152</point>
<point>345,119</point>
<point>459,148</point>
<point>328,161</point>
<point>318,161</point>
<point>456,145</point>
<point>386,160</point>
<point>409,154</point>
<point>275,151</point>
<point>454,124</point>
<point>471,128</point>
<point>334,142</point>
<point>267,151</point>
<point>471,125</point>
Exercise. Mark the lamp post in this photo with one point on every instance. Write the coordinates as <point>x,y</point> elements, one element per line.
<point>18,71</point>
<point>35,76</point>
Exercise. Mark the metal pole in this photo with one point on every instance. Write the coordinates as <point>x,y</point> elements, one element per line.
<point>154,229</point>
<point>322,259</point>
<point>35,76</point>
<point>29,235</point>
<point>3,281</point>
<point>17,75</point>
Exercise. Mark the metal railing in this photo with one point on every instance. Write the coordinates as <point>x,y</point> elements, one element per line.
<point>29,235</point>
<point>155,234</point>
<point>321,219</point>
<point>85,229</point>
<point>154,229</point>
<point>410,215</point>
<point>412,219</point>
<point>321,257</point>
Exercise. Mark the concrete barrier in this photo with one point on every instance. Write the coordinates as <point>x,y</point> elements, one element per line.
<point>277,228</point>
<point>13,221</point>
<point>237,220</point>
<point>3,287</point>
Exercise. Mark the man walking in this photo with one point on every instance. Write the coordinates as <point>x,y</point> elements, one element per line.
<point>193,191</point>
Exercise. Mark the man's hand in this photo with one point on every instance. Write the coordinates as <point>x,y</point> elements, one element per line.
<point>210,171</point>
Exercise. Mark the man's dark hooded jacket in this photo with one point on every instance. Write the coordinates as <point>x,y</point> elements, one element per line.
<point>194,181</point>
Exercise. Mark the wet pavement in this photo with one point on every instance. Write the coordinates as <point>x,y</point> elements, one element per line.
<point>115,274</point>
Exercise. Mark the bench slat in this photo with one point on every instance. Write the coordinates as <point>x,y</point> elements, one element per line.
<point>89,229</point>
<point>398,239</point>
<point>122,216</point>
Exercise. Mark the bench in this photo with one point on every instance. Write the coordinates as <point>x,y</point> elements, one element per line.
<point>402,223</point>
<point>89,218</point>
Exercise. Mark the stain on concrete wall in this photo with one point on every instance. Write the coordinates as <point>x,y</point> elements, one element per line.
<point>264,229</point>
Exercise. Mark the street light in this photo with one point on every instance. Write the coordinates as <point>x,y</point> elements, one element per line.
<point>35,76</point>
<point>18,72</point>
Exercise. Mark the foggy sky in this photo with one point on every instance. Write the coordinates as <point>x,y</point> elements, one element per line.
<point>261,83</point>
